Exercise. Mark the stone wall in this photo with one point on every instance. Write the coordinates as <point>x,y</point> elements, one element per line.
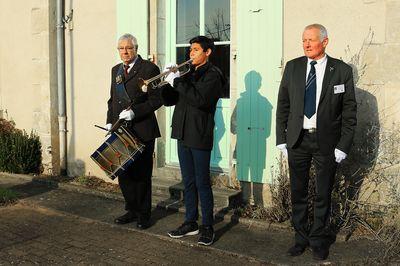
<point>28,87</point>
<point>366,35</point>
<point>91,52</point>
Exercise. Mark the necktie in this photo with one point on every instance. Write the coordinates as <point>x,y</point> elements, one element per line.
<point>126,67</point>
<point>311,92</point>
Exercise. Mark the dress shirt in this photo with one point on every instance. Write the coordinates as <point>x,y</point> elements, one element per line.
<point>131,64</point>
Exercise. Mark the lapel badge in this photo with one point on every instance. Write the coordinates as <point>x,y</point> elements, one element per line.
<point>331,69</point>
<point>118,79</point>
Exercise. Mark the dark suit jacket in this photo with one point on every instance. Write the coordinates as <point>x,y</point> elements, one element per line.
<point>336,115</point>
<point>144,125</point>
<point>195,95</point>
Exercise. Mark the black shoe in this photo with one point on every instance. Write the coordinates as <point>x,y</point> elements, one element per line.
<point>296,250</point>
<point>320,253</point>
<point>186,229</point>
<point>143,224</point>
<point>207,236</point>
<point>126,218</point>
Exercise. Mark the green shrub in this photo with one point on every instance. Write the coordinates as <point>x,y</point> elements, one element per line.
<point>7,196</point>
<point>19,152</point>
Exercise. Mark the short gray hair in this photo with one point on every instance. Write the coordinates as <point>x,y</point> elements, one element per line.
<point>323,33</point>
<point>130,37</point>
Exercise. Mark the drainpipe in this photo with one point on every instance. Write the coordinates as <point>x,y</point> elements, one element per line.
<point>62,118</point>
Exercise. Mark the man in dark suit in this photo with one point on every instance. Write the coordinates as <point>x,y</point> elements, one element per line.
<point>315,121</point>
<point>195,96</point>
<point>135,183</point>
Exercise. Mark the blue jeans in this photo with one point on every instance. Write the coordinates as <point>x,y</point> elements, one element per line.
<point>195,170</point>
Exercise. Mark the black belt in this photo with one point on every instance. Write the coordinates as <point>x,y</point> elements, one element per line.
<point>310,130</point>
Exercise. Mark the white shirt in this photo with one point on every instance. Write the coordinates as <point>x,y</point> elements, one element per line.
<point>131,64</point>
<point>319,71</point>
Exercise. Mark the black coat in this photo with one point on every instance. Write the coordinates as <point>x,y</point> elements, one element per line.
<point>195,97</point>
<point>336,115</point>
<point>144,125</point>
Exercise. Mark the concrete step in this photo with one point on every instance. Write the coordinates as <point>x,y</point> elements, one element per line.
<point>219,178</point>
<point>170,195</point>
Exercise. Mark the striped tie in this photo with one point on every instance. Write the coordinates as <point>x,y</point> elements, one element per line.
<point>311,92</point>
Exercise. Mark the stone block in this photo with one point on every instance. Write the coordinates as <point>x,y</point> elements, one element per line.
<point>39,20</point>
<point>382,64</point>
<point>393,22</point>
<point>37,46</point>
<point>40,72</point>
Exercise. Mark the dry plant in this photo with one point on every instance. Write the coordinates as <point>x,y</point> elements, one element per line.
<point>366,196</point>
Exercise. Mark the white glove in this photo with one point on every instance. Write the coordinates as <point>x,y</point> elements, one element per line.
<point>339,155</point>
<point>127,115</point>
<point>283,148</point>
<point>108,127</point>
<point>171,76</point>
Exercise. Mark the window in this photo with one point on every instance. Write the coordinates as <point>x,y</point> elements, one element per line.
<point>204,17</point>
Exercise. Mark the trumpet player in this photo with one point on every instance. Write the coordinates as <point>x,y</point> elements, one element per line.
<point>195,96</point>
<point>136,108</point>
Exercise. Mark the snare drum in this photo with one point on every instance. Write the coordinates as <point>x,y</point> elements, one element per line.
<point>118,152</point>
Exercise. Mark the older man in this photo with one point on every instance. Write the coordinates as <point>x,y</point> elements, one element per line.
<point>128,102</point>
<point>315,121</point>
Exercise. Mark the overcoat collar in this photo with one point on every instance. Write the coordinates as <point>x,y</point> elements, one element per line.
<point>134,71</point>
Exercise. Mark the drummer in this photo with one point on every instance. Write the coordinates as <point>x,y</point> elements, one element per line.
<point>135,182</point>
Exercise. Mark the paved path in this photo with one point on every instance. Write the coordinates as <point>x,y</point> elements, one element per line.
<point>35,235</point>
<point>51,225</point>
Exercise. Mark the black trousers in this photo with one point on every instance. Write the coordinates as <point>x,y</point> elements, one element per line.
<point>300,158</point>
<point>135,183</point>
<point>195,169</point>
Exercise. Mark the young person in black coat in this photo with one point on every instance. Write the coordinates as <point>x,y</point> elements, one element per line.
<point>195,96</point>
<point>135,183</point>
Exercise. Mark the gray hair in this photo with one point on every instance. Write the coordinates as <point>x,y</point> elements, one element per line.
<point>130,37</point>
<point>323,33</point>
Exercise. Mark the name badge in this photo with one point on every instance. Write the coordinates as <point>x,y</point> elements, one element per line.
<point>338,89</point>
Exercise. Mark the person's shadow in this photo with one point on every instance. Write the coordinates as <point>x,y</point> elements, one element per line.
<point>219,131</point>
<point>251,122</point>
<point>362,157</point>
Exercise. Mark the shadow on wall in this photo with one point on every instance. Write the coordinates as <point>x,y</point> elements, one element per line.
<point>77,168</point>
<point>251,123</point>
<point>219,131</point>
<point>364,152</point>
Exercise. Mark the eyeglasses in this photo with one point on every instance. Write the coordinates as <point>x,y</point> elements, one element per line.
<point>125,48</point>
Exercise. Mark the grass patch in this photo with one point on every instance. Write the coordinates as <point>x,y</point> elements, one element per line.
<point>7,196</point>
<point>83,180</point>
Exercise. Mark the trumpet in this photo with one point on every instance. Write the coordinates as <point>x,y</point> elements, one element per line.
<point>143,84</point>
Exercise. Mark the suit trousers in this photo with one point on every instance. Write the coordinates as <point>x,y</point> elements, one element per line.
<point>300,157</point>
<point>135,183</point>
<point>195,170</point>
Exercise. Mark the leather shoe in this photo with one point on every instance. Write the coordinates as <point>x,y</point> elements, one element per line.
<point>126,218</point>
<point>296,250</point>
<point>320,253</point>
<point>143,224</point>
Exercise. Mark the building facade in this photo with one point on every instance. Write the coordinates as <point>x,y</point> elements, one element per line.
<point>253,41</point>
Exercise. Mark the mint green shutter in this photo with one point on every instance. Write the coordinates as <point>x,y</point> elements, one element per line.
<point>259,53</point>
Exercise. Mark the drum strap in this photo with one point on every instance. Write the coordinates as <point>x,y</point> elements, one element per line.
<point>122,95</point>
